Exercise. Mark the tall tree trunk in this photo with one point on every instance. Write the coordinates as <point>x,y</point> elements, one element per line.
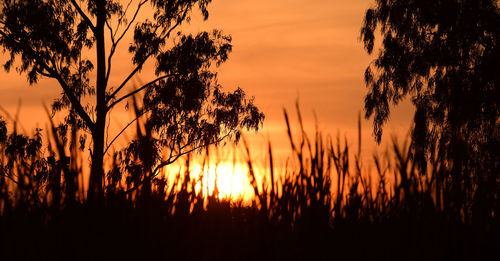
<point>96,182</point>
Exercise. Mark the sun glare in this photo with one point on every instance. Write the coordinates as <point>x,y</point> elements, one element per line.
<point>225,179</point>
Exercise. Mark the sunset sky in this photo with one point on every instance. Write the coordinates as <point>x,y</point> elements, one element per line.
<point>283,50</point>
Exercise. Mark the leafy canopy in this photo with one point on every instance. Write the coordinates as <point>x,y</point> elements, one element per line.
<point>184,103</point>
<point>444,55</point>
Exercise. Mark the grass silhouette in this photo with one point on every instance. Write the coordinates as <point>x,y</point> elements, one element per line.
<point>325,207</point>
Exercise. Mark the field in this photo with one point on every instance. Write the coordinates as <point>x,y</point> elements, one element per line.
<point>324,205</point>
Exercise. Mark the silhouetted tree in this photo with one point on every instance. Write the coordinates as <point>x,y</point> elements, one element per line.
<point>444,55</point>
<point>55,39</point>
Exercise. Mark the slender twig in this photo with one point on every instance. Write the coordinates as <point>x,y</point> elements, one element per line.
<point>10,177</point>
<point>120,19</point>
<point>115,42</point>
<point>139,66</point>
<point>139,89</point>
<point>131,21</point>
<point>84,16</point>
<point>123,130</point>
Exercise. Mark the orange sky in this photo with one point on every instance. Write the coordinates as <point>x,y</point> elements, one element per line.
<point>282,50</point>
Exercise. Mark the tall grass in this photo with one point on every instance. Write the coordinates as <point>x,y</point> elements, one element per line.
<point>324,205</point>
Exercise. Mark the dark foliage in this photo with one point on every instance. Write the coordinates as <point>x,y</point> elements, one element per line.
<point>445,56</point>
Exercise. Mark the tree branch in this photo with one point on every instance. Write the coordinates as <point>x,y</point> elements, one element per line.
<point>131,21</point>
<point>138,67</point>
<point>84,16</point>
<point>182,153</point>
<point>123,130</point>
<point>112,51</point>
<point>172,159</point>
<point>54,74</point>
<point>122,16</point>
<point>139,90</point>
<point>115,42</point>
<point>75,102</point>
<point>10,177</point>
